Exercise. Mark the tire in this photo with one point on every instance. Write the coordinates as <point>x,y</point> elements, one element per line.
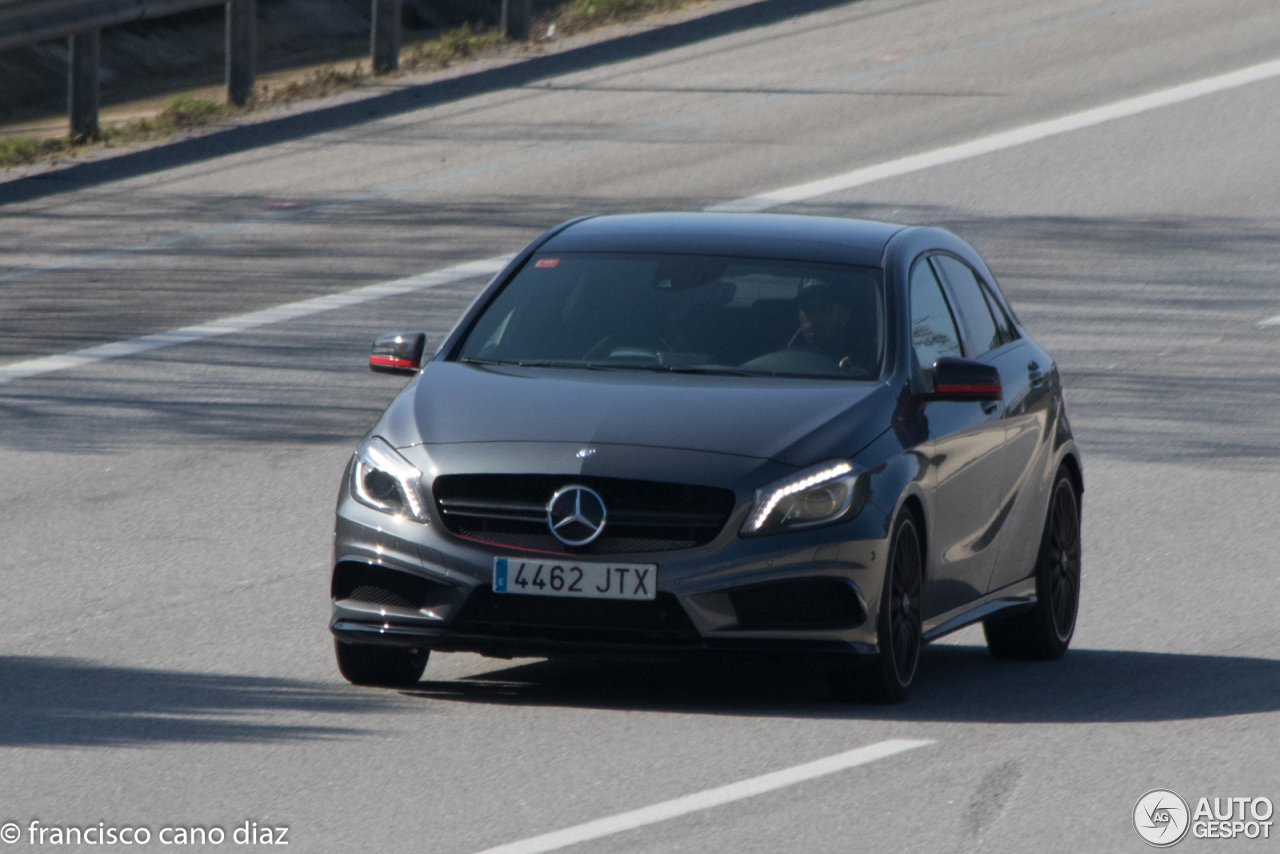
<point>385,666</point>
<point>1044,632</point>
<point>899,624</point>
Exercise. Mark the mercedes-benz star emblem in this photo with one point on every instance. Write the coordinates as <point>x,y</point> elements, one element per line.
<point>576,515</point>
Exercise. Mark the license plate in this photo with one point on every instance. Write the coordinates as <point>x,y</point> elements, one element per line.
<point>575,579</point>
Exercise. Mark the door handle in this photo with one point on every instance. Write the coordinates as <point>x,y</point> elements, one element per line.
<point>990,406</point>
<point>1035,374</point>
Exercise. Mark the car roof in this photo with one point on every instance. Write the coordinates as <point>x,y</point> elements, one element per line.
<point>784,236</point>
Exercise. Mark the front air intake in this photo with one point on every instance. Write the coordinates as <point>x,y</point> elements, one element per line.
<point>802,603</point>
<point>377,585</point>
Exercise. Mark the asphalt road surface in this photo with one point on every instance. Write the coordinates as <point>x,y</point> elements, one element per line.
<point>165,517</point>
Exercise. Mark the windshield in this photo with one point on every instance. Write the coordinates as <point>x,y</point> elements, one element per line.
<point>686,313</point>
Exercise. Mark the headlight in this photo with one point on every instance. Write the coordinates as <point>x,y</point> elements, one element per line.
<point>817,495</point>
<point>386,481</point>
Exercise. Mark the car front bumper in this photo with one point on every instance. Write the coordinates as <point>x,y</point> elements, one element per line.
<point>402,582</point>
<point>451,606</point>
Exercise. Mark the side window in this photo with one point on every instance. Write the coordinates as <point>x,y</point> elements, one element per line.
<point>974,313</point>
<point>1003,324</point>
<point>933,330</point>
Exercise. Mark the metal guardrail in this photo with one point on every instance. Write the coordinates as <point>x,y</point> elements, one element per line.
<point>26,22</point>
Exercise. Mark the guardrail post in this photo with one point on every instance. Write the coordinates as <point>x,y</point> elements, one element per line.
<point>84,50</point>
<point>384,36</point>
<point>242,49</point>
<point>517,18</point>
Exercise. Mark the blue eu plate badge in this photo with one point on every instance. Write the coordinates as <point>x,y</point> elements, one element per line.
<point>500,575</point>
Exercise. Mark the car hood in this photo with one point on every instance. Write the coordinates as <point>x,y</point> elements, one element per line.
<point>792,421</point>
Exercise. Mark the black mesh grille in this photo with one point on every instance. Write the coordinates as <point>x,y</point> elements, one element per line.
<point>644,516</point>
<point>376,585</point>
<point>605,620</point>
<point>374,595</point>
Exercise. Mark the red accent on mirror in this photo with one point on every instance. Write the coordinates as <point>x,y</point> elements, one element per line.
<point>391,362</point>
<point>546,262</point>
<point>964,388</point>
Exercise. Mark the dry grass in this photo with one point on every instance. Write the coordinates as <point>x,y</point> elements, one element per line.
<point>184,111</point>
<point>319,83</point>
<point>19,150</point>
<point>181,113</point>
<point>578,15</point>
<point>453,46</point>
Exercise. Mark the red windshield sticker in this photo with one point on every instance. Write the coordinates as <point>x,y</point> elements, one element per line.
<point>546,262</point>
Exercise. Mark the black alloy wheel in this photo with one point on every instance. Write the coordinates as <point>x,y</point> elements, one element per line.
<point>1044,632</point>
<point>384,666</point>
<point>899,626</point>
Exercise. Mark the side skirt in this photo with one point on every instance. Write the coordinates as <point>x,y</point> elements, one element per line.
<point>1019,595</point>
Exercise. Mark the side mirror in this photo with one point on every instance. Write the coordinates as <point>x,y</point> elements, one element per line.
<point>398,354</point>
<point>964,379</point>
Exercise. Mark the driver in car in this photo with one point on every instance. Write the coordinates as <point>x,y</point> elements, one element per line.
<point>824,320</point>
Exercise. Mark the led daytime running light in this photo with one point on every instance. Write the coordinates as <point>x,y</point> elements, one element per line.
<point>762,514</point>
<point>378,455</point>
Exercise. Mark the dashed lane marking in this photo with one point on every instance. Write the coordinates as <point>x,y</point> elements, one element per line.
<point>252,320</point>
<point>1006,139</point>
<point>706,799</point>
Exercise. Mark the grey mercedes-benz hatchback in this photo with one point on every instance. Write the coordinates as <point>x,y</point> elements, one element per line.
<point>716,433</point>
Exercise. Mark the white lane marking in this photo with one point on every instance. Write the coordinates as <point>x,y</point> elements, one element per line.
<point>239,323</point>
<point>706,799</point>
<point>764,201</point>
<point>1006,139</point>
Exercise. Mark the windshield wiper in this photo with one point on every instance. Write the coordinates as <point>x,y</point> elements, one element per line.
<point>553,363</point>
<point>606,366</point>
<point>677,369</point>
<point>531,363</point>
<point>734,372</point>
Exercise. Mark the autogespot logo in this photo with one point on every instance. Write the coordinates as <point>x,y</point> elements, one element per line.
<point>1161,818</point>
